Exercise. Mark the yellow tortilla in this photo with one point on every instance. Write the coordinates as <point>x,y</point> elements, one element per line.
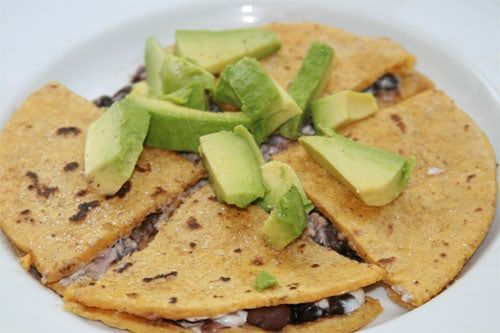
<point>42,185</point>
<point>358,62</point>
<point>424,237</point>
<point>204,260</point>
<point>338,324</point>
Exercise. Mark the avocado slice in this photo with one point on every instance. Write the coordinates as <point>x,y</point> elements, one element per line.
<point>247,85</point>
<point>278,178</point>
<point>214,50</point>
<point>174,127</point>
<point>245,134</point>
<point>112,147</point>
<point>374,175</point>
<point>140,88</point>
<point>178,72</point>
<point>310,80</point>
<point>232,167</point>
<point>342,108</point>
<point>264,127</point>
<point>154,57</point>
<point>192,96</point>
<point>287,220</point>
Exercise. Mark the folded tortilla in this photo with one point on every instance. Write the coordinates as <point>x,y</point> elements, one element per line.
<point>339,324</point>
<point>424,237</point>
<point>206,258</point>
<point>359,61</point>
<point>48,210</point>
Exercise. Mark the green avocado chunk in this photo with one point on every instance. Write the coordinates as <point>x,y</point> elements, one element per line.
<point>264,280</point>
<point>245,134</point>
<point>177,73</point>
<point>232,167</point>
<point>214,50</point>
<point>174,127</point>
<point>278,178</point>
<point>154,57</point>
<point>375,176</point>
<point>247,85</point>
<point>140,89</point>
<point>286,221</point>
<point>342,108</point>
<point>266,126</point>
<point>112,147</point>
<point>192,97</point>
<point>310,80</point>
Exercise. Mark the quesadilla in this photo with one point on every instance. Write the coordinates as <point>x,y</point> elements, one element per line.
<point>200,268</point>
<point>441,217</point>
<point>49,211</point>
<point>377,65</point>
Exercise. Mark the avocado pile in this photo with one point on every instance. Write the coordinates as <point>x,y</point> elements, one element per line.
<point>172,110</point>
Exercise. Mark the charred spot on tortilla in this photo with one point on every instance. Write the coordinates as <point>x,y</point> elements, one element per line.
<point>192,245</point>
<point>71,166</point>
<point>122,192</point>
<point>173,300</point>
<point>469,177</point>
<point>42,190</point>
<point>132,295</point>
<point>237,250</point>
<point>386,261</point>
<point>25,212</point>
<point>122,268</point>
<point>192,223</point>
<point>65,131</point>
<point>83,210</point>
<point>315,265</point>
<point>145,168</point>
<point>158,190</point>
<point>81,193</point>
<point>160,276</point>
<point>258,261</point>
<point>399,122</point>
<point>225,278</point>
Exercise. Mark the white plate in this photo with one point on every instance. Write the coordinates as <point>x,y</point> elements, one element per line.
<point>104,63</point>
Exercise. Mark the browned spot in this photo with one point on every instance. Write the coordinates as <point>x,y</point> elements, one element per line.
<point>66,269</point>
<point>64,131</point>
<point>446,244</point>
<point>173,300</point>
<point>212,198</point>
<point>81,193</point>
<point>160,276</point>
<point>258,261</point>
<point>158,190</point>
<point>248,291</point>
<point>399,122</point>
<point>443,255</point>
<point>237,250</point>
<point>315,265</point>
<point>357,233</point>
<point>192,245</point>
<point>469,177</point>
<point>53,85</point>
<point>123,267</point>
<point>83,210</point>
<point>225,278</point>
<point>42,190</point>
<point>478,210</point>
<point>293,287</point>
<point>25,212</point>
<point>71,166</point>
<point>195,201</point>
<point>192,223</point>
<point>466,127</point>
<point>390,227</point>
<point>122,192</point>
<point>145,168</point>
<point>132,295</point>
<point>302,245</point>
<point>436,261</point>
<point>386,261</point>
<point>416,282</point>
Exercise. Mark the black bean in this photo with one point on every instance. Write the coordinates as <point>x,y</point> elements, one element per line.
<point>388,82</point>
<point>120,94</point>
<point>272,318</point>
<point>335,307</point>
<point>139,75</point>
<point>103,101</point>
<point>305,312</point>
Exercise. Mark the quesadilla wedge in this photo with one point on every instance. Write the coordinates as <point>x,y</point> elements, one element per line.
<point>49,211</point>
<point>378,65</point>
<point>423,238</point>
<point>200,270</point>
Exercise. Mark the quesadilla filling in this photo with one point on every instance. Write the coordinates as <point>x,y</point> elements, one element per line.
<point>275,318</point>
<point>386,88</point>
<point>137,240</point>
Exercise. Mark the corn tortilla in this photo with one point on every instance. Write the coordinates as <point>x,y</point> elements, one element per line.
<point>49,211</point>
<point>207,257</point>
<point>424,237</point>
